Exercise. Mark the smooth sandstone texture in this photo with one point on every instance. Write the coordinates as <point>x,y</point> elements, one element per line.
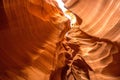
<point>30,31</point>
<point>101,18</point>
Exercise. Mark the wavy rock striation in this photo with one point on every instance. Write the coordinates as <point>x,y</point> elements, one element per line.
<point>33,45</point>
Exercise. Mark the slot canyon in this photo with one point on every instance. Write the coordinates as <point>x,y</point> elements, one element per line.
<point>59,39</point>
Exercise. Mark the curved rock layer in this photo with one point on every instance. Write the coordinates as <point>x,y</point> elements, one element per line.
<point>101,18</point>
<point>31,30</point>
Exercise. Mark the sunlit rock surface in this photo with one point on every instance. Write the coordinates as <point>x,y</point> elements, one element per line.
<point>30,31</point>
<point>100,17</point>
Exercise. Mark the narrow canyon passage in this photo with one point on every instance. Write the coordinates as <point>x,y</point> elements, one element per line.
<point>39,42</point>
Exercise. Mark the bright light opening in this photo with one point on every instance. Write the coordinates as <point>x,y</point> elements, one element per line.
<point>67,13</point>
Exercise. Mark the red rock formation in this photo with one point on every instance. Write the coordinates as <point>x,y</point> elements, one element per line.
<point>32,31</point>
